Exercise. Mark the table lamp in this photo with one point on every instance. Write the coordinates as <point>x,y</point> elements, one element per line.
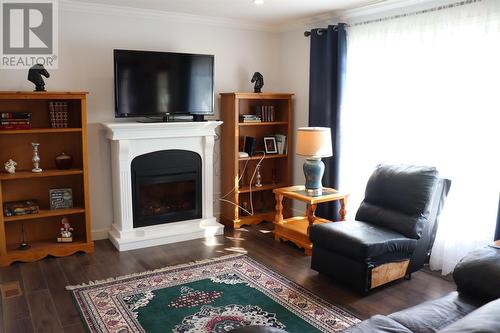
<point>315,143</point>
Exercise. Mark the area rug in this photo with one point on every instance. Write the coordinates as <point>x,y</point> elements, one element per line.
<point>215,295</point>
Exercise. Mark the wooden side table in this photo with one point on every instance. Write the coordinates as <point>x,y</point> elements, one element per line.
<point>296,229</point>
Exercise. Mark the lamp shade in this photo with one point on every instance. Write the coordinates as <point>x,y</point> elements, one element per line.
<point>314,141</point>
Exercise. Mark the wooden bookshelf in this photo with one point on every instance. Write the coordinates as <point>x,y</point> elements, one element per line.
<point>276,169</point>
<point>42,229</point>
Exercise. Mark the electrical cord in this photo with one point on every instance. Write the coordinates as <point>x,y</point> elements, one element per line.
<point>223,198</point>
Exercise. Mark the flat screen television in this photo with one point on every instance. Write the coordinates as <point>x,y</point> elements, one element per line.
<point>149,84</point>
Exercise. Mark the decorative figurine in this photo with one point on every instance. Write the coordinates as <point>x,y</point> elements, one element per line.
<point>66,235</point>
<point>259,82</point>
<point>10,166</point>
<point>258,177</point>
<point>64,161</point>
<point>36,158</point>
<point>24,245</point>
<point>35,76</point>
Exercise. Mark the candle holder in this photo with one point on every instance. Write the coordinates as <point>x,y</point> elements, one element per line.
<point>36,158</point>
<point>258,177</point>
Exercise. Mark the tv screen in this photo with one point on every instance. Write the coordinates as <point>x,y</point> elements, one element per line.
<point>156,83</point>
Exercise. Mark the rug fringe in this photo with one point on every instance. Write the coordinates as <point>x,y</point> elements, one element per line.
<point>163,269</point>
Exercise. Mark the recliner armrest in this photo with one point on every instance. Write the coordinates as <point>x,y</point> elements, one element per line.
<point>478,274</point>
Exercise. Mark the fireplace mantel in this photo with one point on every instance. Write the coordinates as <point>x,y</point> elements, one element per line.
<point>129,140</point>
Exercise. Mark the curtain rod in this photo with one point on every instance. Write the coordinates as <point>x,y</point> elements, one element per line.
<point>398,16</point>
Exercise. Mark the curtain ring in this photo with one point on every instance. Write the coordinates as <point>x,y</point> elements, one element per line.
<point>319,32</point>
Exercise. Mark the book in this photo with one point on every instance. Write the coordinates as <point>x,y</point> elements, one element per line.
<point>15,122</point>
<point>23,207</point>
<point>15,115</point>
<point>61,198</point>
<point>250,144</point>
<point>14,127</point>
<point>281,143</point>
<point>252,120</point>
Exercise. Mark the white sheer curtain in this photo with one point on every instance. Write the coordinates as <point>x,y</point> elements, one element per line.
<point>425,89</point>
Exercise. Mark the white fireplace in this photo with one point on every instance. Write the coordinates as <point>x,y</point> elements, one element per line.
<point>131,140</point>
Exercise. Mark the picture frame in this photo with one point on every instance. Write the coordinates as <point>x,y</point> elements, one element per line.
<point>61,198</point>
<point>270,146</point>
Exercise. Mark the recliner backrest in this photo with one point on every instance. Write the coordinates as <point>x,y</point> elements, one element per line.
<point>398,197</point>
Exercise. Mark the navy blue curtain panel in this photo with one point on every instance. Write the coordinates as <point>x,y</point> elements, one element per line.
<point>327,76</point>
<point>497,232</point>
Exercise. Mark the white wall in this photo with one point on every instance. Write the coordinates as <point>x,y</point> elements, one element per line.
<point>294,60</point>
<point>87,38</point>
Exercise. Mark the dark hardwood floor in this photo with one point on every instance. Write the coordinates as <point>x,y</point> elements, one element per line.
<point>45,305</point>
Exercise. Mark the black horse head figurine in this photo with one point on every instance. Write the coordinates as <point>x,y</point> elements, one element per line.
<point>259,82</point>
<point>35,75</point>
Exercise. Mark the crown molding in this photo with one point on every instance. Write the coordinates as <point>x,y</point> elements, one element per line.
<point>375,9</point>
<point>104,9</point>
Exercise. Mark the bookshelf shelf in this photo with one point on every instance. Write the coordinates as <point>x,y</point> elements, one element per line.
<point>42,213</point>
<point>258,157</point>
<point>41,131</point>
<point>264,123</point>
<point>264,187</point>
<point>46,173</point>
<point>275,168</point>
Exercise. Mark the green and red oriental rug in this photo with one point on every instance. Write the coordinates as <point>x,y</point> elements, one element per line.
<point>216,295</point>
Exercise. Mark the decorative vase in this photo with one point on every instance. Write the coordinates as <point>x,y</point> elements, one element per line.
<point>64,161</point>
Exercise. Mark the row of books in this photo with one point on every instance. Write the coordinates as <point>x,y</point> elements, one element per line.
<point>58,114</point>
<point>263,113</point>
<point>15,120</point>
<point>267,113</point>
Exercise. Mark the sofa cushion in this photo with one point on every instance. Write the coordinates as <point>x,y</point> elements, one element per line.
<point>361,241</point>
<point>398,197</point>
<point>434,315</point>
<point>486,319</point>
<point>478,274</point>
<point>378,324</point>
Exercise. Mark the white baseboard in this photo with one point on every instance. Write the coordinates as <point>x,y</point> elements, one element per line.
<point>99,234</point>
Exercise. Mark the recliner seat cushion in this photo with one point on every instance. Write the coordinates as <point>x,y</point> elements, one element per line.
<point>397,197</point>
<point>361,241</point>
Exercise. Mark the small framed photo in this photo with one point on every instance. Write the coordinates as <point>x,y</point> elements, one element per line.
<point>61,198</point>
<point>270,145</point>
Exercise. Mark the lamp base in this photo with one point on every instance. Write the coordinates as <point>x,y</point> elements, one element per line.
<point>313,172</point>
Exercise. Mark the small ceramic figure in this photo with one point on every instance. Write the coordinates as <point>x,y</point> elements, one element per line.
<point>10,166</point>
<point>66,231</point>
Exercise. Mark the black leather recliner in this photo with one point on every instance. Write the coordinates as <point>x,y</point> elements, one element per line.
<point>392,233</point>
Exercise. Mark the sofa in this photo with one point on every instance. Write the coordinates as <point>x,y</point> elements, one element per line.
<point>474,307</point>
<point>392,233</point>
